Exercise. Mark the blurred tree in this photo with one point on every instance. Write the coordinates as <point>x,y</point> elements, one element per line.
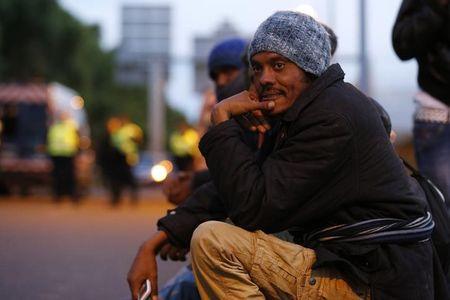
<point>40,41</point>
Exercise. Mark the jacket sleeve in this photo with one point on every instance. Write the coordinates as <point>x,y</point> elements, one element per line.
<point>203,205</point>
<point>200,178</point>
<point>280,193</point>
<point>417,28</point>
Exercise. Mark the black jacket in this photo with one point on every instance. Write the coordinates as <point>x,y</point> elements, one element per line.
<point>331,162</point>
<point>422,31</point>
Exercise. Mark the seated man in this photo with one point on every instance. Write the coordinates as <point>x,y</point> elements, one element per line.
<point>326,172</point>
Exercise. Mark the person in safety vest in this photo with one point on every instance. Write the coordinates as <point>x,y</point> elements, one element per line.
<point>126,140</point>
<point>184,146</point>
<point>62,147</point>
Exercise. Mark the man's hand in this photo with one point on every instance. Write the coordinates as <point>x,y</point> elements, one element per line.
<point>174,253</point>
<point>247,107</point>
<point>177,187</point>
<point>144,265</point>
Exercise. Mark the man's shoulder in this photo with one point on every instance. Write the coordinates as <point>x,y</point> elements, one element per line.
<point>341,98</point>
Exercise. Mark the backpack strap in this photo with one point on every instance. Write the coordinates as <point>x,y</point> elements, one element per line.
<point>410,167</point>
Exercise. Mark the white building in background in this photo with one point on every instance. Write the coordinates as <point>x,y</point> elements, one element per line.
<point>145,37</point>
<point>202,46</point>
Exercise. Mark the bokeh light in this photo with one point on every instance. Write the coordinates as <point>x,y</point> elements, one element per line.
<point>158,173</point>
<point>77,103</point>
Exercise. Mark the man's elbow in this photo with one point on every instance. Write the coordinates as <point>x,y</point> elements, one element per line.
<point>404,54</point>
<point>403,49</point>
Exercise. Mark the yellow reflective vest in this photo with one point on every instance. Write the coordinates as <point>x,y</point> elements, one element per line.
<point>127,139</point>
<point>184,144</point>
<point>62,139</point>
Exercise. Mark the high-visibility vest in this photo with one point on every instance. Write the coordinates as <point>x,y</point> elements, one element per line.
<point>62,139</point>
<point>184,144</point>
<point>126,141</point>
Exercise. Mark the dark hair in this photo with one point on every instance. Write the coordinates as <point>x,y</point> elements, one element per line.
<point>333,38</point>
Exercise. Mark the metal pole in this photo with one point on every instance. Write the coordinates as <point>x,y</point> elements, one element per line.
<point>156,112</point>
<point>331,13</point>
<point>364,65</point>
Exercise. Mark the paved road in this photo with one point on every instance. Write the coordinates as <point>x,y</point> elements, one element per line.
<point>62,251</point>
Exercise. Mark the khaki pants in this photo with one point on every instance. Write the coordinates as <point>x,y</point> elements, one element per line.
<point>232,263</point>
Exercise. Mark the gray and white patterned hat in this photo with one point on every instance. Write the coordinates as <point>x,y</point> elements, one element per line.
<point>295,36</point>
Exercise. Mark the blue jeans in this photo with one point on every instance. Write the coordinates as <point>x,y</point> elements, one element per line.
<point>432,147</point>
<point>181,287</point>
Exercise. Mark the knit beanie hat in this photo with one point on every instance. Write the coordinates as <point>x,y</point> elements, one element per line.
<point>227,53</point>
<point>295,36</point>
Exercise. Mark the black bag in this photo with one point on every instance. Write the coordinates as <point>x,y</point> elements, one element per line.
<point>438,210</point>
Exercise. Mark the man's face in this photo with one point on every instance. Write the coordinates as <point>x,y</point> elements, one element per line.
<point>277,79</point>
<point>225,75</point>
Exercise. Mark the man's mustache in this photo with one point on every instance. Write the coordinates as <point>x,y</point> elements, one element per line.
<point>269,88</point>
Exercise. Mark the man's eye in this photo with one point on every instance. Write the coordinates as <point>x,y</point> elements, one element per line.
<point>256,69</point>
<point>278,66</point>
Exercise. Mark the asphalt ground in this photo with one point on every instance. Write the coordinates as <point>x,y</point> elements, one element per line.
<point>65,251</point>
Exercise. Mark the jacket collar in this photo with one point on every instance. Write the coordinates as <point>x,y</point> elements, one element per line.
<point>331,75</point>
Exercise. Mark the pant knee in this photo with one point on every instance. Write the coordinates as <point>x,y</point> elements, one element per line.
<point>204,237</point>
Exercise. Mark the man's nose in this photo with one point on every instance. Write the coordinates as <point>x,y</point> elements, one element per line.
<point>267,77</point>
<point>221,79</point>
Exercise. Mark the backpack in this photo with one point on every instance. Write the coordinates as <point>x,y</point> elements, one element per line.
<point>436,205</point>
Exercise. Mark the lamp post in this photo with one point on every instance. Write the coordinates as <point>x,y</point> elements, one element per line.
<point>364,64</point>
<point>156,112</point>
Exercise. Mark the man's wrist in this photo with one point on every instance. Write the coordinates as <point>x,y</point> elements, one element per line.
<point>219,115</point>
<point>155,242</point>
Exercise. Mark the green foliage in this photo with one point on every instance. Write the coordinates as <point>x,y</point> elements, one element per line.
<point>40,41</point>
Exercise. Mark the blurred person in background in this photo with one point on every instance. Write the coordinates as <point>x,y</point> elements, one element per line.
<point>183,145</point>
<point>422,31</point>
<point>62,147</point>
<point>111,161</point>
<point>226,68</point>
<point>125,138</point>
<point>225,64</point>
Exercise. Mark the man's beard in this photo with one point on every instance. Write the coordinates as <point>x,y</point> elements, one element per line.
<point>236,86</point>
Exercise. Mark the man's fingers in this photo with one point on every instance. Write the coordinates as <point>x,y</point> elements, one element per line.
<point>255,122</point>
<point>154,284</point>
<point>253,105</point>
<point>134,285</point>
<point>266,105</point>
<point>258,118</point>
<point>164,251</point>
<point>174,254</point>
<point>252,93</point>
<point>245,123</point>
<point>261,119</point>
<point>183,254</point>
